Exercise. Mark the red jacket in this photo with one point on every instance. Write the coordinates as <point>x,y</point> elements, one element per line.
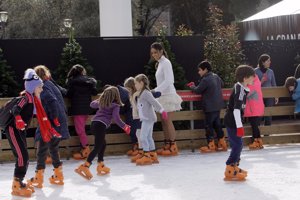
<point>254,102</point>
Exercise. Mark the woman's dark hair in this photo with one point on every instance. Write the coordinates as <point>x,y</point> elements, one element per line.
<point>76,70</point>
<point>244,71</point>
<point>158,46</point>
<point>205,65</point>
<point>263,58</point>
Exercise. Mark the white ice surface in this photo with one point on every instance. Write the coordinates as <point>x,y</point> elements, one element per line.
<point>273,174</point>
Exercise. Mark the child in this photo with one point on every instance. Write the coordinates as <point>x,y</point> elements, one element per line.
<point>254,111</point>
<point>210,87</point>
<point>233,121</point>
<point>292,84</point>
<point>16,132</point>
<point>108,106</point>
<point>146,104</point>
<point>80,89</point>
<point>126,111</point>
<point>136,123</point>
<point>54,106</point>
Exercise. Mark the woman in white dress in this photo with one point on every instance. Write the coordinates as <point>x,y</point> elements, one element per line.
<point>169,99</point>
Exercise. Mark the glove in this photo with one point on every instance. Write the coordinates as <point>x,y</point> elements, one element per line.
<point>190,84</point>
<point>56,122</point>
<point>126,129</point>
<point>240,132</point>
<point>20,124</point>
<point>164,115</point>
<point>155,94</point>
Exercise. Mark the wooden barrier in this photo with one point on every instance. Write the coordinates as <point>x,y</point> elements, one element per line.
<point>285,130</point>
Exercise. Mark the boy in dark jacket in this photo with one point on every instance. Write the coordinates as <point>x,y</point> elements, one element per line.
<point>210,87</point>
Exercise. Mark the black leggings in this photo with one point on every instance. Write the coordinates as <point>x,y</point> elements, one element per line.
<point>99,130</point>
<point>255,122</point>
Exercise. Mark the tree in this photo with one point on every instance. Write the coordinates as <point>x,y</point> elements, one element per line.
<point>8,86</point>
<point>44,19</point>
<point>71,56</point>
<point>146,13</point>
<point>222,47</point>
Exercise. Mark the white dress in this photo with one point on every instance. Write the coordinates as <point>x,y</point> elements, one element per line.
<point>169,99</point>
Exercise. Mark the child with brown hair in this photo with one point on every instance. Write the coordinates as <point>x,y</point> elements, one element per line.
<point>233,121</point>
<point>53,103</point>
<point>146,105</point>
<point>108,106</point>
<point>80,89</point>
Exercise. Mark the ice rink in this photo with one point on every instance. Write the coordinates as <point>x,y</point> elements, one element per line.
<point>273,173</point>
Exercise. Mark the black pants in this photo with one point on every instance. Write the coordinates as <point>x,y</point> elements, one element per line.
<point>269,102</point>
<point>255,122</point>
<point>42,152</point>
<point>99,130</point>
<point>18,144</point>
<point>212,124</point>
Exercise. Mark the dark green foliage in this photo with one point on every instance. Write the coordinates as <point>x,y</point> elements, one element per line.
<point>222,46</point>
<point>70,56</point>
<point>8,85</point>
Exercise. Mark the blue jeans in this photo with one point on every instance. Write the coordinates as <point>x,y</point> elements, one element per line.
<point>236,144</point>
<point>146,136</point>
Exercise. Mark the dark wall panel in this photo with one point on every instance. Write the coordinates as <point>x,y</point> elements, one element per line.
<point>113,59</point>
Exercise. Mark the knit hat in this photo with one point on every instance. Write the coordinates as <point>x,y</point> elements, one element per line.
<point>32,80</point>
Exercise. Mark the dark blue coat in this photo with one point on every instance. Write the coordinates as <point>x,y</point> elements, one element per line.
<point>54,106</point>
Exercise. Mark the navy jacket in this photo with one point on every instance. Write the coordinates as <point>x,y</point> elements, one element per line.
<point>210,87</point>
<point>53,103</point>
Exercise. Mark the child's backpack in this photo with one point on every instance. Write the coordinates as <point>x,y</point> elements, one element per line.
<point>6,115</point>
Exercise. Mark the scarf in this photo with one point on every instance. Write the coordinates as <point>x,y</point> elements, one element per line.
<point>47,131</point>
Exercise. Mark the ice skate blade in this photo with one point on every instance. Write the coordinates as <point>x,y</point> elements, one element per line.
<point>234,179</point>
<point>102,173</point>
<point>212,151</point>
<point>56,182</point>
<point>20,194</point>
<point>142,164</point>
<point>83,175</point>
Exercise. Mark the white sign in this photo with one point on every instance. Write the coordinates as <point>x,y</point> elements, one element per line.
<point>115,18</point>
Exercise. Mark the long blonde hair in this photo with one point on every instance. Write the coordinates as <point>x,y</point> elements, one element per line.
<point>108,96</point>
<point>129,83</point>
<point>143,78</point>
<point>43,72</point>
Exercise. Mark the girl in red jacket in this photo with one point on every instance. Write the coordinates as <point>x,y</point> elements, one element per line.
<point>254,111</point>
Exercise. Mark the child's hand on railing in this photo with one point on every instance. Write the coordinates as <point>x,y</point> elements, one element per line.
<point>191,84</point>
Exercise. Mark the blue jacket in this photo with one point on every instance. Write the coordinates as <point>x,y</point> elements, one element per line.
<point>296,96</point>
<point>54,106</point>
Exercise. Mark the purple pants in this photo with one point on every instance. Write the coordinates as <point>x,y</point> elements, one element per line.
<point>79,122</point>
